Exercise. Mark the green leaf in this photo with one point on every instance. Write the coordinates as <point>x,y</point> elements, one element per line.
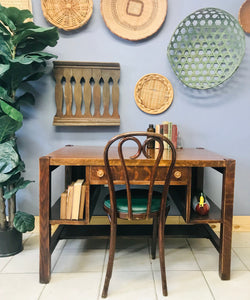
<point>17,16</point>
<point>5,20</point>
<point>26,98</point>
<point>11,111</point>
<point>34,76</point>
<point>8,127</point>
<point>4,68</point>
<point>20,184</point>
<point>5,47</point>
<point>48,36</point>
<point>9,157</point>
<point>13,176</point>
<point>4,95</point>
<point>24,222</point>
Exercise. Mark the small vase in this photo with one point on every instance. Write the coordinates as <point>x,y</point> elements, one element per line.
<point>10,242</point>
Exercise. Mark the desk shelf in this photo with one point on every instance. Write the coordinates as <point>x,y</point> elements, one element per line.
<point>179,198</point>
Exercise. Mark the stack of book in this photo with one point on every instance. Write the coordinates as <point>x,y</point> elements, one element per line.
<point>73,200</point>
<point>169,130</point>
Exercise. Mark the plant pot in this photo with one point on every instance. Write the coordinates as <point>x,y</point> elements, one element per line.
<point>10,242</point>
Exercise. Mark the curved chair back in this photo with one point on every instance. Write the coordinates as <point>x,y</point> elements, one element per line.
<point>126,172</point>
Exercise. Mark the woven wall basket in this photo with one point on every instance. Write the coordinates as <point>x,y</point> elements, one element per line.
<point>206,48</point>
<point>21,4</point>
<point>153,93</point>
<point>67,14</point>
<point>134,19</point>
<point>244,16</point>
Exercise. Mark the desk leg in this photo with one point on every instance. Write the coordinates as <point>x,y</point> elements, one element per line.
<point>227,217</point>
<point>44,216</point>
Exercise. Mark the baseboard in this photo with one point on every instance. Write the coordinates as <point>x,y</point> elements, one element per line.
<point>240,223</point>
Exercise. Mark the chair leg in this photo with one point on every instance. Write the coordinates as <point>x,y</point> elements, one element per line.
<point>161,228</point>
<point>154,236</point>
<point>112,243</point>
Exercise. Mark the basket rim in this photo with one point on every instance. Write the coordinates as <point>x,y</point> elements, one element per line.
<point>148,107</point>
<point>50,13</point>
<point>132,20</point>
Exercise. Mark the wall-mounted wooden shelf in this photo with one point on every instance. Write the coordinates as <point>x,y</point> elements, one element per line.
<point>86,93</point>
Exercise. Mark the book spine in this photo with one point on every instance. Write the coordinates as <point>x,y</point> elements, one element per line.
<point>69,201</point>
<point>63,205</point>
<point>169,133</point>
<point>158,129</point>
<point>174,135</point>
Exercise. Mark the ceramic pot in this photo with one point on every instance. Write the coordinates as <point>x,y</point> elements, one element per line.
<point>10,242</point>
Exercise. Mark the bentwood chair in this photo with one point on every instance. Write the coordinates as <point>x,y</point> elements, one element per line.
<point>132,203</point>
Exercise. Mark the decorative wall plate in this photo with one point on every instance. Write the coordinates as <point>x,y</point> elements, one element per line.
<point>244,16</point>
<point>153,93</point>
<point>206,48</point>
<point>134,19</point>
<point>67,14</point>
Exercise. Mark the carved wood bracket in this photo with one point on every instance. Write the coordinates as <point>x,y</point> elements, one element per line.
<point>86,93</point>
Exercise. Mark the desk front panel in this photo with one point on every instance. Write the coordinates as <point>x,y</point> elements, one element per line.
<point>141,175</point>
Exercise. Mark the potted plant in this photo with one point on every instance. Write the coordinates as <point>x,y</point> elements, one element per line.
<point>22,60</point>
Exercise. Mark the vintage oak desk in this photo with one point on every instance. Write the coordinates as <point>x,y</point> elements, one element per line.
<point>188,176</point>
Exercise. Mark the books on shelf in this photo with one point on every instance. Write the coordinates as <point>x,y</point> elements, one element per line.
<point>169,130</point>
<point>73,201</point>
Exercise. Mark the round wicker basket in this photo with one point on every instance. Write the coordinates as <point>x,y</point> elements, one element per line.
<point>134,19</point>
<point>67,14</point>
<point>153,93</point>
<point>244,16</point>
<point>206,48</point>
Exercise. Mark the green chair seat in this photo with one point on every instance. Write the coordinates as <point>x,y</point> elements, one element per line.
<point>139,201</point>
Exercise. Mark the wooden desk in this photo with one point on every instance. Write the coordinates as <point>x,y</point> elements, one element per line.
<point>188,176</point>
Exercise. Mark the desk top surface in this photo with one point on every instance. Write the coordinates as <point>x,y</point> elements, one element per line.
<point>93,155</point>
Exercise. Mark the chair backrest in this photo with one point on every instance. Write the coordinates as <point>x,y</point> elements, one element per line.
<point>123,170</point>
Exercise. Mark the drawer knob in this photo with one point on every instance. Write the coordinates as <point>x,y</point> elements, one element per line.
<point>100,173</point>
<point>177,174</point>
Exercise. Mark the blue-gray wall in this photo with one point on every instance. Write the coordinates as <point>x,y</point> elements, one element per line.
<point>217,120</point>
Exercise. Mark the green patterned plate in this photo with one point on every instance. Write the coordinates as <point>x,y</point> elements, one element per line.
<point>206,48</point>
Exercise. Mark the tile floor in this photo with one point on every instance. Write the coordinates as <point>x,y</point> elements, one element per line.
<point>78,268</point>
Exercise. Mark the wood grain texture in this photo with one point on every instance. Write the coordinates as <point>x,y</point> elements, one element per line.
<point>84,93</point>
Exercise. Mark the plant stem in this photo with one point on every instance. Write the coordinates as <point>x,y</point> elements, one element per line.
<point>11,208</point>
<point>2,211</point>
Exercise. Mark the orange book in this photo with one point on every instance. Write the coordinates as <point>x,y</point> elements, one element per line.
<point>69,201</point>
<point>63,205</point>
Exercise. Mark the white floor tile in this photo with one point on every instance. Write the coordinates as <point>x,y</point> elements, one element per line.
<point>199,243</point>
<point>80,263</point>
<point>175,243</point>
<point>177,259</point>
<point>20,287</point>
<point>237,287</point>
<point>86,244</point>
<point>183,285</point>
<point>131,286</point>
<point>241,239</point>
<point>72,286</point>
<point>27,261</point>
<point>74,261</point>
<point>131,243</point>
<point>131,257</point>
<point>244,255</point>
<point>208,260</point>
<point>4,261</point>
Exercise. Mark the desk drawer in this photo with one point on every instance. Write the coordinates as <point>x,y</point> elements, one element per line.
<point>140,174</point>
